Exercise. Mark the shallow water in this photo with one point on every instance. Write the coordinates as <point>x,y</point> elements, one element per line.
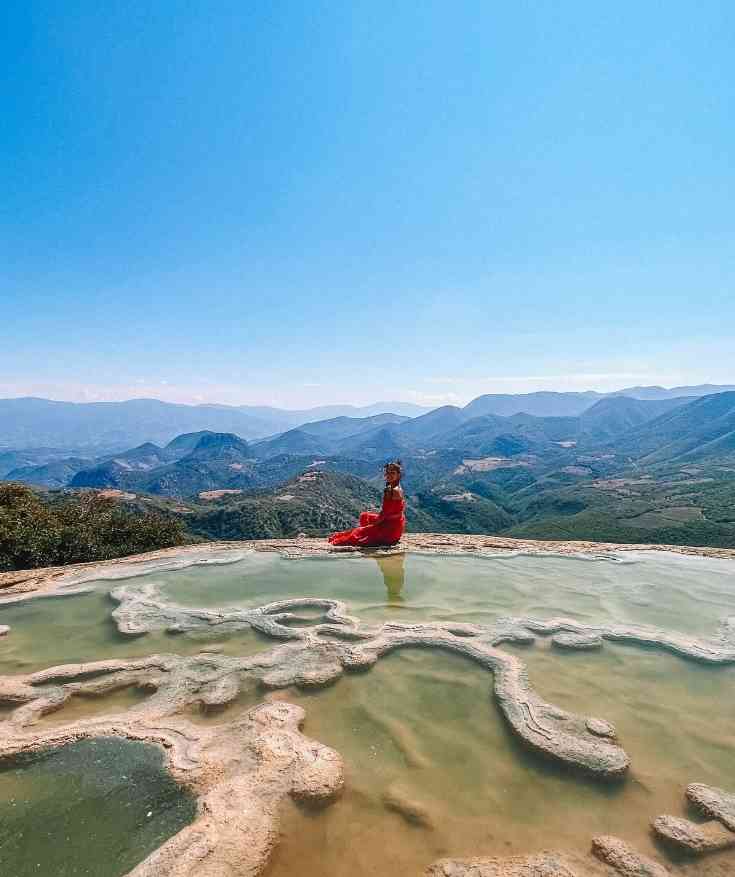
<point>424,724</point>
<point>65,630</point>
<point>96,807</point>
<point>680,593</point>
<point>422,727</point>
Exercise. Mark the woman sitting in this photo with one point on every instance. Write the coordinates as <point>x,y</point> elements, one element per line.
<point>385,528</point>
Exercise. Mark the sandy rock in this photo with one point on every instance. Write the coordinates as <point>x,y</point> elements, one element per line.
<point>601,728</point>
<point>714,802</point>
<point>697,838</point>
<point>625,859</point>
<point>578,642</point>
<point>540,865</point>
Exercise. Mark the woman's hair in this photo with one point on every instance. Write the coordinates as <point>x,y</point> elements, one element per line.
<point>394,465</point>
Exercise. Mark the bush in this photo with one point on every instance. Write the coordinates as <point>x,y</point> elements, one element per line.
<point>75,529</point>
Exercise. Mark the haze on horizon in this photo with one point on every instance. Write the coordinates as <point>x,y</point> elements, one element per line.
<point>299,205</point>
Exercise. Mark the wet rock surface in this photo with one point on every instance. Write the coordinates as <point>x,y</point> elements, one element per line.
<point>578,642</point>
<point>713,802</point>
<point>625,859</point>
<point>540,865</point>
<point>601,728</point>
<point>698,838</point>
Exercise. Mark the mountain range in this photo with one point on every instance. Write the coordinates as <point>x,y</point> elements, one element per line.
<point>620,469</point>
<point>95,428</point>
<point>98,427</point>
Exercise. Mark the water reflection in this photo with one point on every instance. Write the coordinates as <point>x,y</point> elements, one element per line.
<point>392,566</point>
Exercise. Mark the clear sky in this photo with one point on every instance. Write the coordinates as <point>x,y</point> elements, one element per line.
<point>295,203</point>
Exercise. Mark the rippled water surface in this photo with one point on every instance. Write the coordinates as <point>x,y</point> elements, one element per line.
<point>432,769</point>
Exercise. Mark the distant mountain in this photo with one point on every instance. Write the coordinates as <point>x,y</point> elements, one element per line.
<point>700,430</point>
<point>615,415</point>
<point>15,459</point>
<point>338,435</point>
<point>551,404</point>
<point>384,443</point>
<point>673,392</point>
<point>144,457</point>
<point>343,427</point>
<point>221,447</point>
<point>452,428</point>
<point>184,444</point>
<point>56,474</point>
<point>100,426</point>
<point>218,460</point>
<point>428,428</point>
<point>105,427</point>
<point>542,404</point>
<point>295,441</point>
<point>330,412</point>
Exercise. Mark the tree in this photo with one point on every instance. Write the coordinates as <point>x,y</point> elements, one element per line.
<point>75,529</point>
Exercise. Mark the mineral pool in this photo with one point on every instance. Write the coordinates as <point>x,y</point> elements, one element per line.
<point>97,807</point>
<point>432,769</point>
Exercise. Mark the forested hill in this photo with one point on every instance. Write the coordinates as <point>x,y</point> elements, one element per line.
<point>624,469</point>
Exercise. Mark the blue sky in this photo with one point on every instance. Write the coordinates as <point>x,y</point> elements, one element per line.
<point>297,203</point>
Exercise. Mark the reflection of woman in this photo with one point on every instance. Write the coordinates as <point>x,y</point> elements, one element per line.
<point>392,567</point>
<point>385,528</point>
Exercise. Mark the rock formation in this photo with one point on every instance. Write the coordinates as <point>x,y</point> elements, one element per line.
<point>707,837</point>
<point>540,865</point>
<point>694,837</point>
<point>713,802</point>
<point>577,642</point>
<point>625,859</point>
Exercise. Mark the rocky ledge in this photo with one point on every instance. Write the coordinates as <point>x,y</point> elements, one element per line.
<point>69,579</point>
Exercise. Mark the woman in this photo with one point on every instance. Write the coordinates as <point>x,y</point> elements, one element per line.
<point>385,528</point>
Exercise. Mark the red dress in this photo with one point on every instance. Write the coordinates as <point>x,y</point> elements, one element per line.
<point>383,529</point>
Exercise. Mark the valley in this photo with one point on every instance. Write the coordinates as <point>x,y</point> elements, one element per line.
<point>620,469</point>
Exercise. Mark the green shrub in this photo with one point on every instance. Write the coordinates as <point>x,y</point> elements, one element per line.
<point>75,529</point>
